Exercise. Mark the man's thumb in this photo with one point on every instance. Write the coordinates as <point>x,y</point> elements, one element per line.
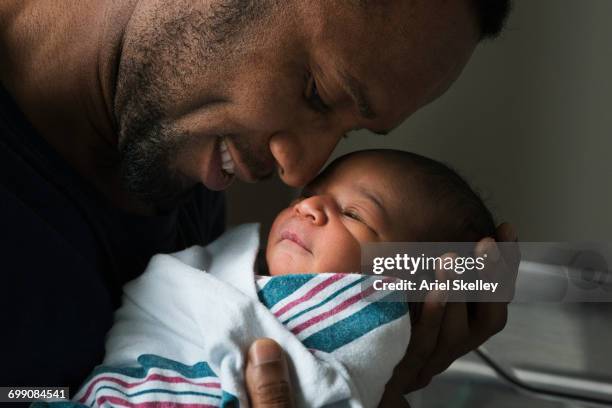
<point>267,376</point>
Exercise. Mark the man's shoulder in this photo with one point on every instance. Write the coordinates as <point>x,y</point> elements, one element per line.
<point>59,306</point>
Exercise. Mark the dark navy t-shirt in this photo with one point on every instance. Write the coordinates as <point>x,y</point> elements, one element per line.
<point>65,253</point>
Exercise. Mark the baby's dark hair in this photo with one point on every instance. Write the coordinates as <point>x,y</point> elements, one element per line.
<point>463,214</point>
<point>459,213</point>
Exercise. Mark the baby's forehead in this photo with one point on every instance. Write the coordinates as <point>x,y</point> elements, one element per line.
<point>369,166</point>
<point>385,174</point>
<point>389,178</point>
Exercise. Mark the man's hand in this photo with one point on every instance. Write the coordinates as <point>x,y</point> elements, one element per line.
<point>267,376</point>
<point>445,332</point>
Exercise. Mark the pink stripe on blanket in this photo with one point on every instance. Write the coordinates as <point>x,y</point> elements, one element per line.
<point>319,318</point>
<point>152,377</point>
<point>310,294</point>
<point>117,401</point>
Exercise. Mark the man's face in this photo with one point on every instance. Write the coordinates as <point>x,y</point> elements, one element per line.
<point>210,91</point>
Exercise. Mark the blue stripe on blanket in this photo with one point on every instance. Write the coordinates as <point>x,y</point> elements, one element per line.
<point>148,361</point>
<point>198,370</point>
<point>327,299</point>
<point>229,401</point>
<point>157,391</point>
<point>278,289</point>
<point>356,325</point>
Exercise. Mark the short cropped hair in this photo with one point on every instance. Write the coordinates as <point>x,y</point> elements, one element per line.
<point>459,209</point>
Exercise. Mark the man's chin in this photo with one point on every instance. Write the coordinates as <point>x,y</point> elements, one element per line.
<point>169,203</point>
<point>220,182</point>
<point>162,195</point>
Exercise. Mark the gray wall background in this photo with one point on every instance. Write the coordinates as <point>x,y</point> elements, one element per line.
<point>528,123</point>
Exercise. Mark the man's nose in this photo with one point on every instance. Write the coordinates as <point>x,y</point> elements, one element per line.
<point>313,209</point>
<point>300,155</point>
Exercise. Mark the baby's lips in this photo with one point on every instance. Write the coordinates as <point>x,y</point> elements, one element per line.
<point>294,236</point>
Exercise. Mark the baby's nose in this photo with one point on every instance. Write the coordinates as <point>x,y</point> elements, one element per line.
<point>312,208</point>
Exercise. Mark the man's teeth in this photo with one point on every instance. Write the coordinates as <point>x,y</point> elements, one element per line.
<point>227,164</point>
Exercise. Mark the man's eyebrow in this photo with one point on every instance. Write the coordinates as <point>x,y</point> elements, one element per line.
<point>359,94</point>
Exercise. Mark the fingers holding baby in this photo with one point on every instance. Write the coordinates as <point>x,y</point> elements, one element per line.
<point>267,376</point>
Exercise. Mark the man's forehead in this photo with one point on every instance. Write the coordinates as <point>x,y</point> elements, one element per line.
<point>387,65</point>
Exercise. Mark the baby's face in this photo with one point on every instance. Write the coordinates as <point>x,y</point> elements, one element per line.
<point>322,230</point>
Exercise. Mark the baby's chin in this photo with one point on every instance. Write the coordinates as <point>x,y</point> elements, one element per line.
<point>283,262</point>
<point>280,263</point>
<point>279,270</point>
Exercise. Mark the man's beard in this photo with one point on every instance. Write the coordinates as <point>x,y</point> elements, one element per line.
<point>146,154</point>
<point>156,72</point>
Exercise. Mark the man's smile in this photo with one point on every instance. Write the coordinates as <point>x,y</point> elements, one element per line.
<point>233,152</point>
<point>227,163</point>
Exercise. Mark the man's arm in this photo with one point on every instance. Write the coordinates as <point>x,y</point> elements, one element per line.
<point>48,290</point>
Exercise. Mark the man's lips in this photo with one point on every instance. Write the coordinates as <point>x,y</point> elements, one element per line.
<point>242,171</point>
<point>293,237</point>
<point>212,174</point>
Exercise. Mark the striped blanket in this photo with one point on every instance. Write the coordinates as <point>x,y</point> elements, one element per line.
<point>328,311</point>
<point>180,338</point>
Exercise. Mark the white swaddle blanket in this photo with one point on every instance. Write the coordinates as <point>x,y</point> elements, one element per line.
<point>181,336</point>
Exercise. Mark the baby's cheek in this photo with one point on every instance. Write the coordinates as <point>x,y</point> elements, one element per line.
<point>342,256</point>
<point>362,233</point>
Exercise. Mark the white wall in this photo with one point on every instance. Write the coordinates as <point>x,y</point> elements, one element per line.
<point>529,123</point>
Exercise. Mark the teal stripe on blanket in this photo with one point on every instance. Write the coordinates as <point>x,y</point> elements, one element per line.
<point>326,300</point>
<point>229,401</point>
<point>356,325</point>
<point>149,361</point>
<point>157,391</point>
<point>198,370</point>
<point>278,289</point>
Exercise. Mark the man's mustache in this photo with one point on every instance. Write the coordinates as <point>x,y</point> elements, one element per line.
<point>257,158</point>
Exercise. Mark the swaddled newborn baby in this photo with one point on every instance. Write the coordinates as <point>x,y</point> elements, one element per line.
<point>182,333</point>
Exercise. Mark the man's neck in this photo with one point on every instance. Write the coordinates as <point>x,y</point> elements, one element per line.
<point>60,61</point>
